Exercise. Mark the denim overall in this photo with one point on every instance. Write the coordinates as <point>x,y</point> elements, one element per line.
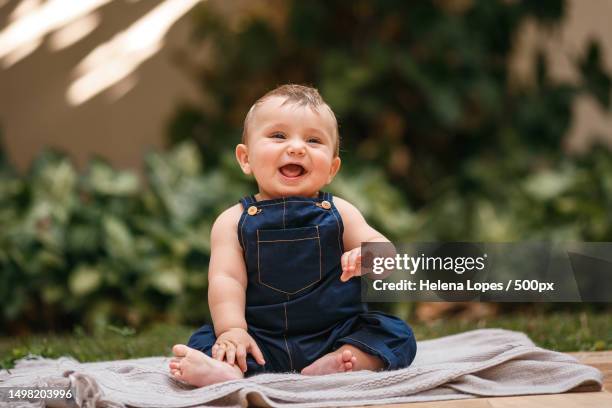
<point>297,309</point>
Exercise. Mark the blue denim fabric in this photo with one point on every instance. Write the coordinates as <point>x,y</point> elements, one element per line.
<point>297,309</point>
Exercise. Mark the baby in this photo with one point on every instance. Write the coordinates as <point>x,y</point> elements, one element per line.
<point>284,287</point>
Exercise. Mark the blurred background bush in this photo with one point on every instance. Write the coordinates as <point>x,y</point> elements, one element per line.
<point>442,139</point>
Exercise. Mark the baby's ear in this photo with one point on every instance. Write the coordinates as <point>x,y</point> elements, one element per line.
<point>335,166</point>
<point>243,158</point>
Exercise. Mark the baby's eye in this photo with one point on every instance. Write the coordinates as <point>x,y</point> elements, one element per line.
<point>277,135</point>
<point>314,140</point>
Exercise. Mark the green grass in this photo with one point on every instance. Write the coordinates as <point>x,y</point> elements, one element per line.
<point>557,331</point>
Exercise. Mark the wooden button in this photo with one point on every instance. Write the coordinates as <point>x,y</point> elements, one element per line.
<point>326,204</point>
<point>252,210</point>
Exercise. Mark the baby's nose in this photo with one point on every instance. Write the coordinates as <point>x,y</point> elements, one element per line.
<point>296,148</point>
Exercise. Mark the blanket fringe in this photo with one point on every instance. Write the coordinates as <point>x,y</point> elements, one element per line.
<point>87,392</point>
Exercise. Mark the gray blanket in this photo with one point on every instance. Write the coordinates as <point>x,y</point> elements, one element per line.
<point>479,363</point>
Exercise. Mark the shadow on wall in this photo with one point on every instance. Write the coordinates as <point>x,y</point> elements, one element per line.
<point>53,83</point>
<point>96,78</point>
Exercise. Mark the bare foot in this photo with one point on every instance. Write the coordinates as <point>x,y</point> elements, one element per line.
<point>336,362</point>
<point>196,368</point>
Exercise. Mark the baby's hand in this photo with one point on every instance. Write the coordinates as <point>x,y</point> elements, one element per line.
<point>233,345</point>
<point>351,264</point>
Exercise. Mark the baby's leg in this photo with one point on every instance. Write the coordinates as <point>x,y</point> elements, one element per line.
<point>346,358</point>
<point>196,368</point>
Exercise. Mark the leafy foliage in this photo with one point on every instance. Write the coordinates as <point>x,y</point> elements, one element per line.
<point>105,248</point>
<point>438,144</point>
<point>101,247</point>
<point>424,95</point>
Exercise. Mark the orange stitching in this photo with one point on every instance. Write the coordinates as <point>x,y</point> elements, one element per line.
<point>320,256</point>
<point>338,224</point>
<point>291,201</point>
<point>285,337</point>
<point>242,237</point>
<point>318,238</point>
<point>289,293</point>
<point>258,271</point>
<point>288,240</point>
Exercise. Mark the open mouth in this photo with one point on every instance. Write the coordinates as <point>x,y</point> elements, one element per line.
<point>292,170</point>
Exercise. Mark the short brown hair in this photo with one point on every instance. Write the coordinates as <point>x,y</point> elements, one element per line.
<point>295,94</point>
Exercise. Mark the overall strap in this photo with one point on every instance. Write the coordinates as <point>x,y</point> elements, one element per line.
<point>326,196</point>
<point>246,201</point>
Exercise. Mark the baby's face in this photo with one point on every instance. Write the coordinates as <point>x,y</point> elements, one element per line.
<point>290,149</point>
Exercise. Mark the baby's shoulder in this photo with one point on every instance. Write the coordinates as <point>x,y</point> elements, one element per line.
<point>344,207</point>
<point>228,219</point>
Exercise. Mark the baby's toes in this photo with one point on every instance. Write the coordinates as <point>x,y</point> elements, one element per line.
<point>340,361</point>
<point>180,350</point>
<point>348,366</point>
<point>174,365</point>
<point>347,355</point>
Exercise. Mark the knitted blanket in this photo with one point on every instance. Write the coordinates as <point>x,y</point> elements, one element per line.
<point>488,362</point>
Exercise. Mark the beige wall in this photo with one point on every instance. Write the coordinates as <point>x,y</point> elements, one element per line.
<point>34,111</point>
<point>586,20</point>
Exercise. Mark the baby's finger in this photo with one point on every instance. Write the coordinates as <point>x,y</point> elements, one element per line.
<point>353,259</point>
<point>256,352</point>
<point>214,350</point>
<point>344,260</point>
<point>347,271</point>
<point>230,355</point>
<point>356,263</point>
<point>220,352</point>
<point>241,357</point>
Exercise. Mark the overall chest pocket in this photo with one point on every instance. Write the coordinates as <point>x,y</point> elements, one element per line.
<point>289,260</point>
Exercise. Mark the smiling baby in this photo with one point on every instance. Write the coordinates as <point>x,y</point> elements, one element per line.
<point>284,278</point>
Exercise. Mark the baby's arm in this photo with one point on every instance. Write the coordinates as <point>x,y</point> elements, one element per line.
<point>227,282</point>
<point>356,231</point>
